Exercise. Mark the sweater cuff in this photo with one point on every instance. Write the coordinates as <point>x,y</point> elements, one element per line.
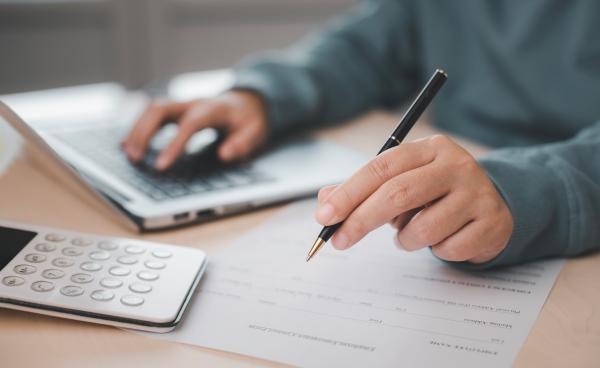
<point>290,98</point>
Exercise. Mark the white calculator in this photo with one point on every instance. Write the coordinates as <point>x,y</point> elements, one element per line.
<point>116,281</point>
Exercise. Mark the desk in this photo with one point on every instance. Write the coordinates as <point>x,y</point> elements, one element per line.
<point>567,333</point>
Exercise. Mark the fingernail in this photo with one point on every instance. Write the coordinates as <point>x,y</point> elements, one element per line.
<point>161,163</point>
<point>325,213</point>
<point>340,241</point>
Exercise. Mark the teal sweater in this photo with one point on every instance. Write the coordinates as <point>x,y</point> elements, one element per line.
<point>524,76</point>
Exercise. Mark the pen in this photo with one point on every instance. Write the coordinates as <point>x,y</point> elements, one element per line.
<point>404,126</point>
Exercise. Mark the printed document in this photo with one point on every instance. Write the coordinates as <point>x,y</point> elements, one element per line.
<point>372,305</point>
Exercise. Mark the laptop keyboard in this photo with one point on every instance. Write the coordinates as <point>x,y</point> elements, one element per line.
<point>191,174</point>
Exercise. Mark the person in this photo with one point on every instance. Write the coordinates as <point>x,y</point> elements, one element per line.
<point>524,78</point>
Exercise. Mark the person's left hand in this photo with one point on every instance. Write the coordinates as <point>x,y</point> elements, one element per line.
<point>433,191</point>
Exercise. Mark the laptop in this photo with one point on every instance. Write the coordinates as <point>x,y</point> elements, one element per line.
<point>198,187</point>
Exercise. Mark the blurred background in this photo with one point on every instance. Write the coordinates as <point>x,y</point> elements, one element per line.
<point>55,43</point>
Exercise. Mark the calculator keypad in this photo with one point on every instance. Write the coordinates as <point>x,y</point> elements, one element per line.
<point>100,255</point>
<point>102,295</point>
<point>140,288</point>
<point>62,262</point>
<point>71,290</point>
<point>147,276</point>
<point>119,271</point>
<point>127,260</point>
<point>45,247</point>
<point>81,242</point>
<point>73,252</point>
<point>52,268</point>
<point>42,286</point>
<point>132,300</point>
<point>24,269</point>
<point>82,278</point>
<point>155,265</point>
<point>35,258</point>
<point>134,249</point>
<point>55,237</point>
<point>107,245</point>
<point>111,283</point>
<point>91,266</point>
<point>53,274</point>
<point>13,280</point>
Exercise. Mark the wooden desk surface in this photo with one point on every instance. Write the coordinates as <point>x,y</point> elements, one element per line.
<point>567,332</point>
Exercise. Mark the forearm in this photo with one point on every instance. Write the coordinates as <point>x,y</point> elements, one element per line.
<point>553,192</point>
<point>360,61</point>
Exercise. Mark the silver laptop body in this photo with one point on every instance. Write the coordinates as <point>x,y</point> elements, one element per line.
<point>194,191</point>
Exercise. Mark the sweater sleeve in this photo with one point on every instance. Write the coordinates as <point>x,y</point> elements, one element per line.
<point>361,60</point>
<point>553,192</point>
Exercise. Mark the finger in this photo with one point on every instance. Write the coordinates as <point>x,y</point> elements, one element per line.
<point>464,244</point>
<point>437,222</point>
<point>151,120</point>
<point>325,192</point>
<point>195,119</point>
<point>347,196</point>
<point>402,193</point>
<point>240,143</point>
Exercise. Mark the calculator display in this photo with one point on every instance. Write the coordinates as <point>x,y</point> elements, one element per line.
<point>11,243</point>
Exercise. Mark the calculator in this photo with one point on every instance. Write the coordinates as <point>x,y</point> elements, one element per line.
<point>115,281</point>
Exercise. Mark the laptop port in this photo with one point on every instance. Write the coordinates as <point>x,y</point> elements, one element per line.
<point>181,216</point>
<point>205,214</point>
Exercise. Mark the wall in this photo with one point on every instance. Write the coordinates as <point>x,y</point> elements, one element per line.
<point>54,43</point>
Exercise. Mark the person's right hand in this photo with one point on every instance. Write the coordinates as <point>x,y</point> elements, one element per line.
<point>240,114</point>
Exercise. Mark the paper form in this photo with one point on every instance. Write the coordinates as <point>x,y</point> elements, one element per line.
<point>372,305</point>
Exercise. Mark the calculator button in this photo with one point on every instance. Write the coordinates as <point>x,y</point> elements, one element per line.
<point>71,290</point>
<point>119,271</point>
<point>42,286</point>
<point>82,278</point>
<point>127,260</point>
<point>155,265</point>
<point>132,300</point>
<point>147,275</point>
<point>100,255</point>
<point>35,258</point>
<point>70,251</point>
<point>81,242</point>
<point>111,283</point>
<point>140,288</point>
<point>45,247</point>
<point>102,295</point>
<point>55,237</point>
<point>90,266</point>
<point>24,269</point>
<point>106,245</point>
<point>53,274</point>
<point>161,254</point>
<point>13,281</point>
<point>134,249</point>
<point>63,262</point>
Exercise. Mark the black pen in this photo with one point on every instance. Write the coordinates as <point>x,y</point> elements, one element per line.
<point>404,126</point>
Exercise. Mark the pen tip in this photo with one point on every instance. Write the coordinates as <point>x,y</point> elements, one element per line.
<point>316,246</point>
